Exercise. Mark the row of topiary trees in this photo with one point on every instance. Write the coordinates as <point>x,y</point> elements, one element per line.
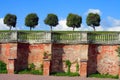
<point>73,20</point>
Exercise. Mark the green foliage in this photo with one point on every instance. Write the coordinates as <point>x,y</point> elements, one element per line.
<point>68,63</point>
<point>28,71</point>
<point>3,67</point>
<point>51,20</point>
<point>41,68</point>
<point>25,71</point>
<point>65,74</point>
<point>10,20</point>
<point>74,21</point>
<point>31,70</point>
<point>77,67</point>
<point>36,72</point>
<point>97,75</point>
<point>93,19</point>
<point>31,20</point>
<point>118,51</point>
<point>31,66</point>
<point>45,54</point>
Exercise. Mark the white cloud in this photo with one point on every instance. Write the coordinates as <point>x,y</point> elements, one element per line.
<point>113,24</point>
<point>115,28</point>
<point>113,21</point>
<point>62,25</point>
<point>2,25</point>
<point>93,11</point>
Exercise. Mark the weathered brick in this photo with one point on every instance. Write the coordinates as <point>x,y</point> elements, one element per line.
<point>46,67</point>
<point>83,68</point>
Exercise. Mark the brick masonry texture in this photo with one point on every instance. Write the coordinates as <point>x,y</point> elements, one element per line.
<point>101,58</point>
<point>62,52</point>
<point>46,67</point>
<point>31,53</point>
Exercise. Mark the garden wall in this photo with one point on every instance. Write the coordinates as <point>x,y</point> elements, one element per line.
<point>63,52</point>
<point>31,53</point>
<point>8,51</point>
<point>101,58</point>
<point>3,52</point>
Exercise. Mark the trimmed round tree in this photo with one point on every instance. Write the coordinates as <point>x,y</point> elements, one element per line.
<point>10,20</point>
<point>31,20</point>
<point>74,21</point>
<point>93,20</point>
<point>51,20</point>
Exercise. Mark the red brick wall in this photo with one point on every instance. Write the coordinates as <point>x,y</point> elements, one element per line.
<point>4,52</point>
<point>8,51</point>
<point>103,58</point>
<point>63,52</point>
<point>31,53</point>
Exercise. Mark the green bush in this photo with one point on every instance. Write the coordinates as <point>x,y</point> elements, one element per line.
<point>36,72</point>
<point>27,71</point>
<point>98,75</point>
<point>3,68</point>
<point>31,70</point>
<point>77,67</point>
<point>65,74</point>
<point>68,63</point>
<point>41,68</point>
<point>31,66</point>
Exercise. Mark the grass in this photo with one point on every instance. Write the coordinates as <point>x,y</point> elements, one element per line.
<point>97,75</point>
<point>27,71</point>
<point>65,74</point>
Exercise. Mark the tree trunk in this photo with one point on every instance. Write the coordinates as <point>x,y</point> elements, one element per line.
<point>30,28</point>
<point>94,28</point>
<point>51,28</point>
<point>10,27</point>
<point>73,28</point>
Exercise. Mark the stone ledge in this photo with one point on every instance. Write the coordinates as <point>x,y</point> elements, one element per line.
<point>83,60</point>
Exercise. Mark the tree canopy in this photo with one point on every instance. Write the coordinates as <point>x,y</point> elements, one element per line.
<point>51,20</point>
<point>10,20</point>
<point>74,21</point>
<point>31,20</point>
<point>93,20</point>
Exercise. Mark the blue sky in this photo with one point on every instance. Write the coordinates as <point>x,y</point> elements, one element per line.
<point>108,9</point>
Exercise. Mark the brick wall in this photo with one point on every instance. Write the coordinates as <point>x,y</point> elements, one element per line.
<point>8,51</point>
<point>101,58</point>
<point>31,53</point>
<point>63,52</point>
<point>4,52</point>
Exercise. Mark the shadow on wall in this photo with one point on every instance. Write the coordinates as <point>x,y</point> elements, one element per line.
<point>57,58</point>
<point>22,56</point>
<point>92,58</point>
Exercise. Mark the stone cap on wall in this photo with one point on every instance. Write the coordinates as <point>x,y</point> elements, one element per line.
<point>83,60</point>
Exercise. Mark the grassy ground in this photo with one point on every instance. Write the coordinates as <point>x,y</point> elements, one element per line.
<point>97,75</point>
